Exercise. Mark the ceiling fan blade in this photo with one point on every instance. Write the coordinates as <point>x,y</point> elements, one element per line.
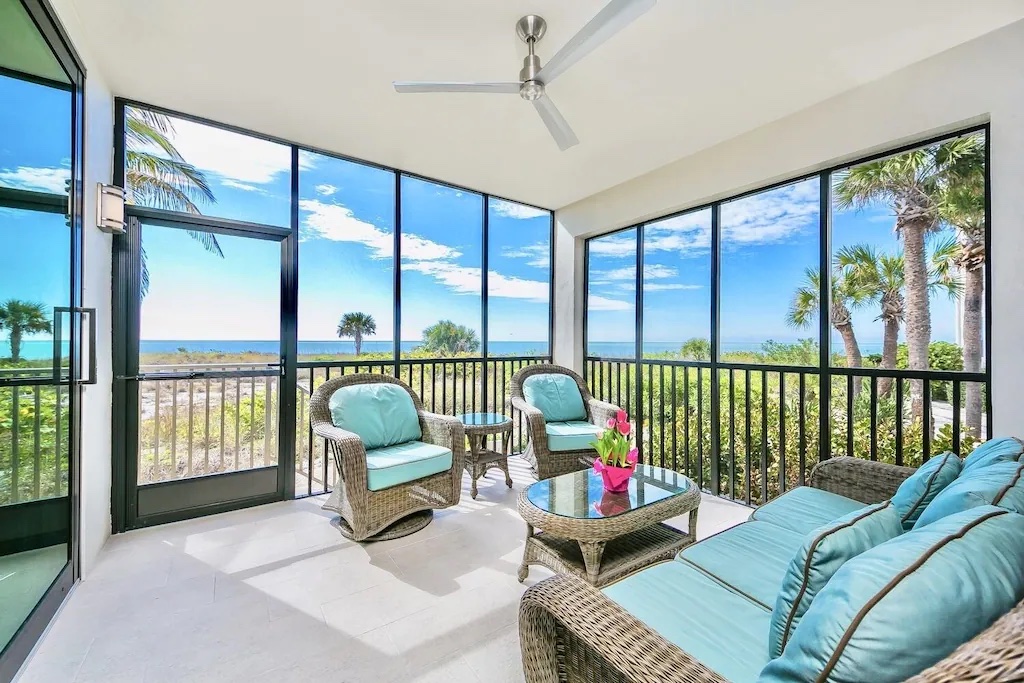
<point>556,123</point>
<point>442,86</point>
<point>615,16</point>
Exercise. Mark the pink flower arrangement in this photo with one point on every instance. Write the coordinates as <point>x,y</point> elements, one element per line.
<point>613,446</point>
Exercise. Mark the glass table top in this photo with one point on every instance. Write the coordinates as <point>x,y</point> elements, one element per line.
<point>483,419</point>
<point>581,494</point>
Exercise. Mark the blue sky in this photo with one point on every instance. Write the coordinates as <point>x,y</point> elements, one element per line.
<point>347,261</point>
<point>768,240</point>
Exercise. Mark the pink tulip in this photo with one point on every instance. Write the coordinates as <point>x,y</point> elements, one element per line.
<point>633,456</point>
<point>611,423</point>
<point>623,428</point>
<point>621,416</point>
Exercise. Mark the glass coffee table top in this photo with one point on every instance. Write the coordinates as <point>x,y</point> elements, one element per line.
<point>581,495</point>
<point>483,419</point>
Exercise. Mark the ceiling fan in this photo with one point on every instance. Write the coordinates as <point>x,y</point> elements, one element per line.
<point>533,78</point>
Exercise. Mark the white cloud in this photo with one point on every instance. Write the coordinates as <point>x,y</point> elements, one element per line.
<point>653,271</point>
<point>326,189</point>
<point>37,179</point>
<point>616,245</point>
<point>338,223</point>
<point>539,254</point>
<point>513,210</point>
<point>228,182</point>
<point>668,286</point>
<point>601,303</point>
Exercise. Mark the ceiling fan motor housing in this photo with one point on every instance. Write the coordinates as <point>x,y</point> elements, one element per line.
<point>530,29</point>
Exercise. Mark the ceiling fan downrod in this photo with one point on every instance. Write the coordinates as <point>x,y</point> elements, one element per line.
<point>531,29</point>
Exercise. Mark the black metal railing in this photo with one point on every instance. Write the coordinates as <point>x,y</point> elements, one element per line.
<point>33,436</point>
<point>449,386</point>
<point>750,432</point>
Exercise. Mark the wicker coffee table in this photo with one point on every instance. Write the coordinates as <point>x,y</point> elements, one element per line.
<point>480,458</point>
<point>573,526</point>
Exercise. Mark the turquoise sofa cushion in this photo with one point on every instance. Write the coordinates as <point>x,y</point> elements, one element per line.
<point>904,605</point>
<point>819,557</point>
<point>921,488</point>
<point>1007,449</point>
<point>556,395</point>
<point>380,414</point>
<point>727,557</point>
<point>1000,484</point>
<point>804,509</point>
<point>571,436</point>
<point>404,462</point>
<point>722,629</point>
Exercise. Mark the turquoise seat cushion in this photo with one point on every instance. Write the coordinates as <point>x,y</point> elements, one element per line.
<point>380,414</point>
<point>1000,484</point>
<point>571,436</point>
<point>727,557</point>
<point>722,629</point>
<point>405,462</point>
<point>819,557</point>
<point>804,509</point>
<point>921,488</point>
<point>906,604</point>
<point>556,395</point>
<point>1006,449</point>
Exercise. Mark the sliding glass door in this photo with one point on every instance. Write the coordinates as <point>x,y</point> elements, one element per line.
<point>41,344</point>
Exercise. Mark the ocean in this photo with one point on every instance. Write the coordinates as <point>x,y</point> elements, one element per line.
<point>43,349</point>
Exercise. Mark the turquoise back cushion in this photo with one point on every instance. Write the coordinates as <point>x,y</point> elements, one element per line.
<point>1007,449</point>
<point>1000,483</point>
<point>920,489</point>
<point>904,605</point>
<point>381,414</point>
<point>823,552</point>
<point>556,395</point>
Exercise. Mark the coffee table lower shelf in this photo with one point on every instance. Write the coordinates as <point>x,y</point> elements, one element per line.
<point>610,560</point>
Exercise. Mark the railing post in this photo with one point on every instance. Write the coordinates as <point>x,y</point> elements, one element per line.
<point>716,293</point>
<point>824,319</point>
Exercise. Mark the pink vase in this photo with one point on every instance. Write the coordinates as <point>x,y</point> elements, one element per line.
<point>616,479</point>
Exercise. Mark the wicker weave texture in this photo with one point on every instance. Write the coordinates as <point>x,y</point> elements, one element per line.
<point>571,633</point>
<point>368,512</point>
<point>546,462</point>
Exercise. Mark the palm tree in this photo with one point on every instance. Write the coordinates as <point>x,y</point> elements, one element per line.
<point>881,277</point>
<point>910,184</point>
<point>846,292</point>
<point>445,338</point>
<point>355,325</point>
<point>23,317</point>
<point>963,208</point>
<point>159,177</point>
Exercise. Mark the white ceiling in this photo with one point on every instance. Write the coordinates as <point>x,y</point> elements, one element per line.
<point>686,75</point>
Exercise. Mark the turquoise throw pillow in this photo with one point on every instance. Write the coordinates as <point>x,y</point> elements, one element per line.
<point>906,604</point>
<point>556,395</point>
<point>1007,449</point>
<point>380,414</point>
<point>823,552</point>
<point>1000,484</point>
<point>920,488</point>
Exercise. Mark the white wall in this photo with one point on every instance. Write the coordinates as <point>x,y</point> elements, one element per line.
<point>978,81</point>
<point>96,405</point>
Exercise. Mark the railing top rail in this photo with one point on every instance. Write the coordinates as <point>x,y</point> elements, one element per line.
<point>26,372</point>
<point>416,361</point>
<point>177,367</point>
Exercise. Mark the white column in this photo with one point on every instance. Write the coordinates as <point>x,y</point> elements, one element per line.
<point>567,349</point>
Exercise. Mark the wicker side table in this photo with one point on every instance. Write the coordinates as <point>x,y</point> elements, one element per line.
<point>574,527</point>
<point>480,458</point>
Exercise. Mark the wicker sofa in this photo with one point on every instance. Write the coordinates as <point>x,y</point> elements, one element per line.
<point>558,434</point>
<point>570,631</point>
<point>390,482</point>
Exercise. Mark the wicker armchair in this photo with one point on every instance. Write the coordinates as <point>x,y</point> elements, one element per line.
<point>570,632</point>
<point>402,509</point>
<point>546,462</point>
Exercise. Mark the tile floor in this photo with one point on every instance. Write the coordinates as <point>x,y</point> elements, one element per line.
<point>276,594</point>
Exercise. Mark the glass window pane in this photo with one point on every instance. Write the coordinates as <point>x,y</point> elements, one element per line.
<point>178,164</point>
<point>442,253</point>
<point>769,264</point>
<point>611,296</point>
<point>346,259</point>
<point>677,287</point>
<point>518,279</point>
<point>35,136</point>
